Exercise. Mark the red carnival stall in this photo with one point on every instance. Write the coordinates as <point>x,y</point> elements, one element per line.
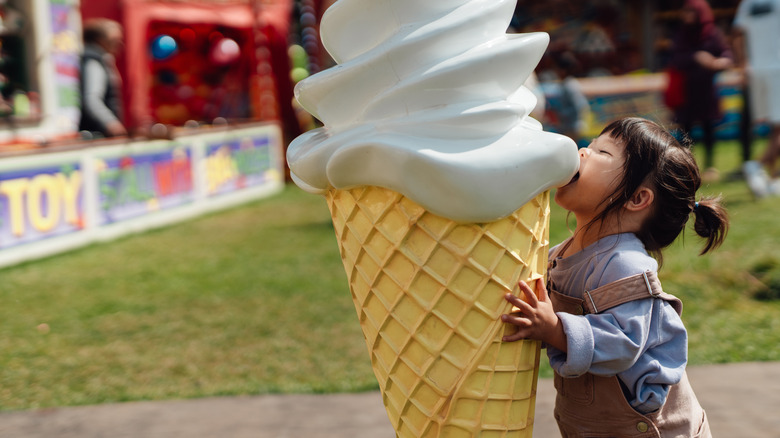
<point>208,102</point>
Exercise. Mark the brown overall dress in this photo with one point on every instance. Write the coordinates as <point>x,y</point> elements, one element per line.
<point>594,406</point>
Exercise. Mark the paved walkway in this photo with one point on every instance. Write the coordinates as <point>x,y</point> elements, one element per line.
<point>742,400</point>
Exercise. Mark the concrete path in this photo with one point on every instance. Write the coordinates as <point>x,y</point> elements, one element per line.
<point>742,400</point>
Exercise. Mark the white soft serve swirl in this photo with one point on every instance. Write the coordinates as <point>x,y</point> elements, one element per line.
<point>428,100</point>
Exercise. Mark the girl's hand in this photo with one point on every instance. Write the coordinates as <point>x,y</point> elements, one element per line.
<point>537,319</point>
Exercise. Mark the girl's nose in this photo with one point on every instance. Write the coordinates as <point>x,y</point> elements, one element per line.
<point>584,152</point>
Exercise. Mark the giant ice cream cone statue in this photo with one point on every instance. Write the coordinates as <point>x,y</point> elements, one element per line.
<point>437,182</point>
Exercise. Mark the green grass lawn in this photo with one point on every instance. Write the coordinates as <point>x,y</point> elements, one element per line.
<point>254,300</point>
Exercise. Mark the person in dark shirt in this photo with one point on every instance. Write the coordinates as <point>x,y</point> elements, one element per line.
<point>101,94</point>
<point>700,52</point>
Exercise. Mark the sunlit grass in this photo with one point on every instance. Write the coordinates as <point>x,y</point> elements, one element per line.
<point>252,300</point>
<point>255,300</point>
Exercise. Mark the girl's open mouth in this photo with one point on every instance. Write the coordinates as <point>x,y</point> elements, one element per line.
<point>574,178</point>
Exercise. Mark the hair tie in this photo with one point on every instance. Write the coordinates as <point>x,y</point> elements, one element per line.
<point>695,206</point>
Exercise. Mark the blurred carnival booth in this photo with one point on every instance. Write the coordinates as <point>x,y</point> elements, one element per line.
<point>641,95</point>
<point>39,76</point>
<point>207,94</point>
<point>52,202</point>
<point>208,100</point>
<point>196,62</point>
<point>622,49</point>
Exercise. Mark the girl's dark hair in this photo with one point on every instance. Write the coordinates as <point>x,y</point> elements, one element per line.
<point>656,159</point>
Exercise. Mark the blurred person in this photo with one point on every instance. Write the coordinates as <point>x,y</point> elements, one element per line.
<point>100,83</point>
<point>700,51</point>
<point>574,105</point>
<point>757,33</point>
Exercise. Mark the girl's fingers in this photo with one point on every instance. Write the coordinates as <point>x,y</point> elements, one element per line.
<point>529,294</point>
<point>541,289</point>
<point>520,304</point>
<point>512,299</point>
<point>521,323</point>
<point>513,337</point>
<point>528,309</point>
<point>516,320</point>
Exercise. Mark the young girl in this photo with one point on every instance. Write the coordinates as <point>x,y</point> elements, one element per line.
<point>614,338</point>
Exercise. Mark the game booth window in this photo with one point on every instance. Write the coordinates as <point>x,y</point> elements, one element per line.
<point>198,63</point>
<point>18,84</point>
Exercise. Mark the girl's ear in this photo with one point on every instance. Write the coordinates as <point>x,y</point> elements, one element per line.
<point>642,199</point>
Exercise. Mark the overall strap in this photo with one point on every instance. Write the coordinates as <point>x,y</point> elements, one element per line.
<point>560,249</point>
<point>551,259</point>
<point>635,287</point>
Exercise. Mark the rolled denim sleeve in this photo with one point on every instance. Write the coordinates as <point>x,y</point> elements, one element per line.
<point>604,344</point>
<point>580,344</point>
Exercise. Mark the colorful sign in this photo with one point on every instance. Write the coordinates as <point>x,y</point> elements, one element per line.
<point>65,56</point>
<point>606,108</point>
<point>623,99</point>
<point>137,184</point>
<point>55,201</point>
<point>39,203</point>
<point>239,163</point>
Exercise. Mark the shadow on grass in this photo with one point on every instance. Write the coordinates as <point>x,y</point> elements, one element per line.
<point>766,273</point>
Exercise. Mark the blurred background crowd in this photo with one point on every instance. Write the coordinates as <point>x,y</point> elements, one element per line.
<point>75,70</point>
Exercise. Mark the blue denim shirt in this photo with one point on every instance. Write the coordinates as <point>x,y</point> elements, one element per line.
<point>643,342</point>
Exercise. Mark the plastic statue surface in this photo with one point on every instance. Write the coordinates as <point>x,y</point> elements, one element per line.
<point>427,100</point>
<point>437,181</point>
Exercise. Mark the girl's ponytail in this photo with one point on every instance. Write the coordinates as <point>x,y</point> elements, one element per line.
<point>712,222</point>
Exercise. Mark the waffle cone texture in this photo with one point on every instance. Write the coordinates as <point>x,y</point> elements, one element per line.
<point>429,294</point>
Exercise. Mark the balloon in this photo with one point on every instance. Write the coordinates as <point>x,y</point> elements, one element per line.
<point>185,92</point>
<point>187,36</point>
<point>262,53</point>
<point>163,47</point>
<point>225,51</point>
<point>164,112</point>
<point>215,36</point>
<point>308,19</point>
<point>203,90</point>
<point>298,56</point>
<point>298,74</point>
<point>310,46</point>
<point>309,39</point>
